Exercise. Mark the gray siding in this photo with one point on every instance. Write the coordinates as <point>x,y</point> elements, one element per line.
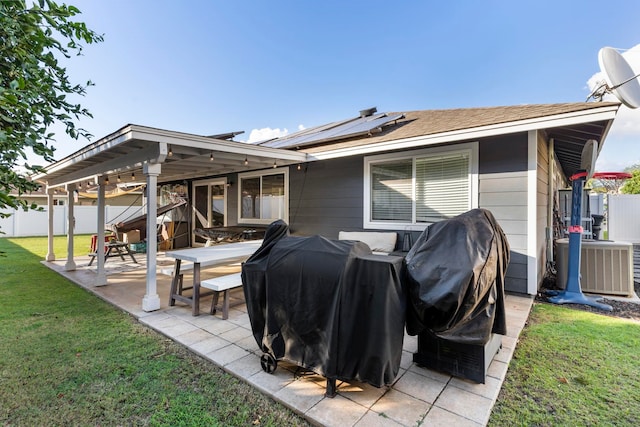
<point>503,191</point>
<point>503,154</point>
<point>326,197</point>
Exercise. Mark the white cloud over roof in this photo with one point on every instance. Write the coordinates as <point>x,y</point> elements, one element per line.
<point>263,134</point>
<point>257,135</point>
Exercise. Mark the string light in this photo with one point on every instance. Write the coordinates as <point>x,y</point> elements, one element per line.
<point>119,178</point>
<point>299,166</point>
<point>246,161</point>
<point>211,159</point>
<point>275,164</point>
<point>133,176</point>
<point>106,180</point>
<point>170,151</point>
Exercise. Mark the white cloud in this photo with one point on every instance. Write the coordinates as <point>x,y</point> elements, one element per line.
<point>301,127</point>
<point>622,147</point>
<point>266,133</point>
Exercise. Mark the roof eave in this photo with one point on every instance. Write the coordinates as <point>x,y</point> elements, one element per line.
<point>566,119</point>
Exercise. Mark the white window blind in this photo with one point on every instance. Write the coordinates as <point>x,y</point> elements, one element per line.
<point>442,187</point>
<point>423,188</point>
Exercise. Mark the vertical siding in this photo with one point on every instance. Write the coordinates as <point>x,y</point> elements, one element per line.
<point>503,190</point>
<point>623,220</point>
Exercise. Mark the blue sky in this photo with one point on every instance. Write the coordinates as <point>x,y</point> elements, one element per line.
<point>208,67</point>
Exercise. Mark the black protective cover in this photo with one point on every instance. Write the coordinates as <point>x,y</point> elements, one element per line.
<point>328,306</point>
<point>455,279</point>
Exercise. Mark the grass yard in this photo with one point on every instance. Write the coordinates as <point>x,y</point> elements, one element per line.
<point>69,358</point>
<point>572,368</point>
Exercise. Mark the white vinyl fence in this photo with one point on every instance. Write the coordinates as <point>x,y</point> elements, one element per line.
<point>33,223</point>
<point>623,213</point>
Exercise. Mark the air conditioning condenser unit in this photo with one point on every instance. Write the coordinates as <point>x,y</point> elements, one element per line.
<point>606,267</point>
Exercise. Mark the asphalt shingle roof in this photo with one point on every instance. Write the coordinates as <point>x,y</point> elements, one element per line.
<point>432,122</point>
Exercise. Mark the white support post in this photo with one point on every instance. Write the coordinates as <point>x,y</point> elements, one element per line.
<point>71,223</point>
<point>101,276</point>
<point>151,300</point>
<point>50,255</point>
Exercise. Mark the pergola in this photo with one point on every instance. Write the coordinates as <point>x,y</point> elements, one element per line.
<point>159,156</point>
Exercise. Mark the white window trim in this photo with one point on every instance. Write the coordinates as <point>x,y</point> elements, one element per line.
<point>471,148</point>
<point>209,182</point>
<point>259,174</point>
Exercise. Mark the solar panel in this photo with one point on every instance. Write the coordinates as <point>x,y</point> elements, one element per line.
<point>333,131</point>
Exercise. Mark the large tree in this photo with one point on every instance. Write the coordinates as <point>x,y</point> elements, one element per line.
<point>35,88</point>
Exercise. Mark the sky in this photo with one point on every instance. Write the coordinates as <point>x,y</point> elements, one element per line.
<point>269,68</point>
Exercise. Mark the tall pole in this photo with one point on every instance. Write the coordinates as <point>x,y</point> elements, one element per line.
<point>572,293</point>
<point>71,222</point>
<point>151,300</point>
<point>51,256</point>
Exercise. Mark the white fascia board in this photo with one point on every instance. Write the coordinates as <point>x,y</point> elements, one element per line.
<point>605,113</point>
<point>155,153</point>
<point>87,152</point>
<point>206,143</point>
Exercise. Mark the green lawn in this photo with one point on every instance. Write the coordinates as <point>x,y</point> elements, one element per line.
<point>572,368</point>
<point>68,358</point>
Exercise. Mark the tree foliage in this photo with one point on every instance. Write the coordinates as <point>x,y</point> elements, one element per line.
<point>632,185</point>
<point>34,87</point>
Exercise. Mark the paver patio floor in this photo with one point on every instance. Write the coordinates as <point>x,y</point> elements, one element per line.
<point>418,395</point>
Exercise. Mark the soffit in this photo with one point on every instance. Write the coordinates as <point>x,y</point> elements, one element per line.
<point>182,156</point>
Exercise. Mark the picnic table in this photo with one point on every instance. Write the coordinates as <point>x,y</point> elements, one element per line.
<point>212,255</point>
<point>114,249</point>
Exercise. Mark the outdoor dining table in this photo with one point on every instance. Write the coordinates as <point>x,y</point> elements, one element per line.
<point>213,255</point>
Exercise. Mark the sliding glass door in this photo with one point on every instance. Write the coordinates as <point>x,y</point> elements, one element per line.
<point>209,205</point>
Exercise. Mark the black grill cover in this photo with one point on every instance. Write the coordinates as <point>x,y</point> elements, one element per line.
<point>328,306</point>
<point>455,279</point>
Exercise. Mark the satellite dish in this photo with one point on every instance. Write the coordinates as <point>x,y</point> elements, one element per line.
<point>620,78</point>
<point>589,157</point>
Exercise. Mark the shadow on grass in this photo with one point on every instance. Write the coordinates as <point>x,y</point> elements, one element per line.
<point>69,358</point>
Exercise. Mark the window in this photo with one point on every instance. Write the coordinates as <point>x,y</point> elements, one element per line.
<point>414,189</point>
<point>263,196</point>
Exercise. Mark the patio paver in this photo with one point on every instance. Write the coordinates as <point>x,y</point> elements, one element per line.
<point>418,395</point>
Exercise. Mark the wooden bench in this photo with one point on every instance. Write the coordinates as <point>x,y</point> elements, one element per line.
<point>184,268</point>
<point>222,284</point>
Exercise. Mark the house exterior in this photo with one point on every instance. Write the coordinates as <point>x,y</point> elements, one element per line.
<point>377,171</point>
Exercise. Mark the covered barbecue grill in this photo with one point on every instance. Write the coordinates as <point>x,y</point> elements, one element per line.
<point>328,306</point>
<point>455,283</point>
